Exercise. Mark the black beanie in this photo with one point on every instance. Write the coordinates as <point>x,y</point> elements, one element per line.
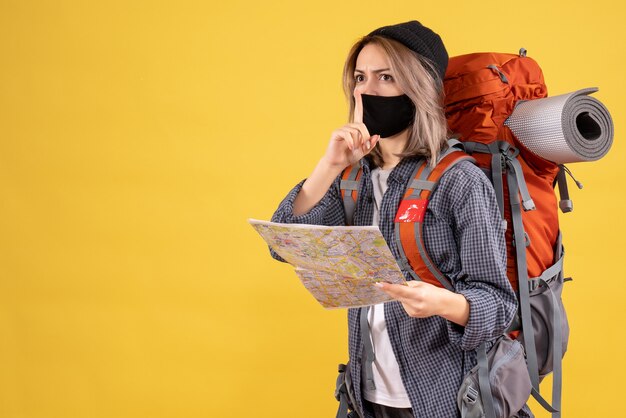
<point>420,39</point>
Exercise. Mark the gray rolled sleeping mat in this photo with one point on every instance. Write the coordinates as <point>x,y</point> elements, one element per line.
<point>563,129</point>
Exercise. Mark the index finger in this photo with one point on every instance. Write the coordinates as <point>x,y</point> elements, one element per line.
<point>358,108</point>
<point>396,291</point>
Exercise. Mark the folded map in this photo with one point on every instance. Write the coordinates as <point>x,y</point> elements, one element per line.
<point>337,264</point>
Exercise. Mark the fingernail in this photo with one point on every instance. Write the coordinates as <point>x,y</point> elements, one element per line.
<point>378,284</point>
<point>367,144</point>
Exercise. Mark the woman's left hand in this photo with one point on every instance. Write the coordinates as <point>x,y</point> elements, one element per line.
<point>423,300</point>
<point>420,299</point>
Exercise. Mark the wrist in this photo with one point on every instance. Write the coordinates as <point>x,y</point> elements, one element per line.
<point>325,166</point>
<point>454,307</point>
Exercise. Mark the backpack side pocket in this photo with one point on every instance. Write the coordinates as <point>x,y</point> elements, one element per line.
<point>508,379</point>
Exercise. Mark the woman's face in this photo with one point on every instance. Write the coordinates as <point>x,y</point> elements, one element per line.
<point>373,74</point>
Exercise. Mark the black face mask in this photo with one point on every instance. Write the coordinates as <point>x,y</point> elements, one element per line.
<point>387,116</point>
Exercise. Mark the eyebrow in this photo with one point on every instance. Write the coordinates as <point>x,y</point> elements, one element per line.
<point>356,70</point>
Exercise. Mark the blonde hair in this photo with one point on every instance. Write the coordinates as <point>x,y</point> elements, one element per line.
<point>414,74</point>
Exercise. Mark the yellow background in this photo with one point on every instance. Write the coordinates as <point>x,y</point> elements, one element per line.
<point>136,138</point>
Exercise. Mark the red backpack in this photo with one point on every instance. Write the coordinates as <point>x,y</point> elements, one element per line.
<point>481,91</point>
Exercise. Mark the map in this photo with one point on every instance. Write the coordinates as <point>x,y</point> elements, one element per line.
<point>337,264</point>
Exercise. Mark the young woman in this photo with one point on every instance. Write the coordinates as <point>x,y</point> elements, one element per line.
<point>424,342</point>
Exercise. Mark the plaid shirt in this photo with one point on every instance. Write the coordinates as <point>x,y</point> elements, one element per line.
<point>464,236</point>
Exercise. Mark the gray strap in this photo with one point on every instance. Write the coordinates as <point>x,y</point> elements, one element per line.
<point>470,147</point>
<point>496,179</point>
<point>455,143</point>
<point>420,185</point>
<point>368,351</point>
<point>522,274</point>
<point>557,349</point>
<point>541,401</point>
<point>527,201</point>
<point>404,261</point>
<point>425,173</point>
<point>524,302</point>
<point>547,276</point>
<point>455,147</point>
<point>557,354</point>
<point>509,154</point>
<point>342,411</point>
<point>559,251</point>
<point>421,181</point>
<point>415,184</point>
<point>349,185</point>
<point>428,169</point>
<point>445,282</point>
<point>480,147</point>
<point>499,151</point>
<point>496,149</point>
<point>341,393</point>
<point>441,278</point>
<point>350,207</point>
<point>557,377</point>
<point>483,382</point>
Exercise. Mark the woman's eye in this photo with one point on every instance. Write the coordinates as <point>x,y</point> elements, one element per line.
<point>386,77</point>
<point>358,78</point>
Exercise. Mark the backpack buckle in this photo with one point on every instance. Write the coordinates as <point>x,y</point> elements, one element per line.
<point>533,284</point>
<point>508,151</point>
<point>471,395</point>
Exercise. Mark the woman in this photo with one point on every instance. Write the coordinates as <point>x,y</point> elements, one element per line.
<point>424,342</point>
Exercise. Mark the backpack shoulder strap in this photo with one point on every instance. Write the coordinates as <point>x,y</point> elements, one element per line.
<point>349,190</point>
<point>409,221</point>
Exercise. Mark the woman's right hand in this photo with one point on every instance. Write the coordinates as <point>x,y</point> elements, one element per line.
<point>351,142</point>
<point>348,145</point>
